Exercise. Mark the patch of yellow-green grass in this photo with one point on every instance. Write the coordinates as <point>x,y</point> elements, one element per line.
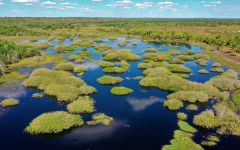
<point>218,70</point>
<point>173,104</point>
<point>236,98</point>
<point>64,48</point>
<point>108,80</point>
<point>212,138</point>
<point>190,96</point>
<point>9,102</point>
<point>134,43</point>
<point>188,52</point>
<point>38,95</point>
<point>123,43</point>
<point>192,107</point>
<point>83,105</point>
<point>44,45</point>
<point>120,55</point>
<point>182,116</point>
<point>87,90</point>
<point>151,50</point>
<point>112,38</point>
<point>176,61</point>
<point>208,143</point>
<point>186,127</point>
<point>174,52</point>
<point>203,71</point>
<point>201,62</point>
<point>121,91</point>
<point>103,47</point>
<point>159,56</point>
<point>65,66</point>
<point>38,61</point>
<point>100,118</point>
<point>80,69</point>
<point>54,122</point>
<point>106,64</point>
<point>12,76</point>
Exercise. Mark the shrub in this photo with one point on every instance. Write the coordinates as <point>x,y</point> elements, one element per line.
<point>54,122</point>
<point>182,116</point>
<point>192,107</point>
<point>216,65</point>
<point>218,70</point>
<point>64,48</point>
<point>173,104</point>
<point>87,90</point>
<point>157,56</point>
<point>174,52</point>
<point>120,55</point>
<point>151,50</point>
<point>106,64</point>
<point>112,38</point>
<point>108,80</point>
<point>81,106</point>
<point>189,96</point>
<point>44,45</point>
<point>11,102</point>
<point>134,43</point>
<point>79,69</point>
<point>186,127</point>
<point>203,71</point>
<point>188,52</point>
<point>208,143</point>
<point>176,61</point>
<point>201,62</point>
<point>103,47</point>
<point>185,58</point>
<point>121,91</point>
<point>201,56</point>
<point>38,95</point>
<point>100,118</point>
<point>65,66</point>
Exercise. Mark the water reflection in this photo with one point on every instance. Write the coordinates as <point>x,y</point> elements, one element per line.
<point>90,65</point>
<point>141,104</point>
<point>12,92</point>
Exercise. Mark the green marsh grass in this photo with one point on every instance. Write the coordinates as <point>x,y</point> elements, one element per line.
<point>203,71</point>
<point>38,95</point>
<point>64,48</point>
<point>100,118</point>
<point>87,90</point>
<point>189,96</point>
<point>173,104</point>
<point>65,66</point>
<point>108,80</point>
<point>120,91</point>
<point>83,105</point>
<point>182,116</point>
<point>186,127</point>
<point>11,102</point>
<point>120,55</point>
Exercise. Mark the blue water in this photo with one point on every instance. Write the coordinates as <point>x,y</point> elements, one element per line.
<point>140,120</point>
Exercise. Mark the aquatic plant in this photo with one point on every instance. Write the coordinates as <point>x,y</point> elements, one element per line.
<point>83,105</point>
<point>108,80</point>
<point>182,75</point>
<point>201,56</point>
<point>80,69</point>
<point>38,95</point>
<point>103,47</point>
<point>84,54</point>
<point>124,65</point>
<point>11,102</point>
<point>236,98</point>
<point>100,118</point>
<point>174,52</point>
<point>119,55</point>
<point>84,44</point>
<point>173,104</point>
<point>134,43</point>
<point>151,50</point>
<point>79,61</point>
<point>64,48</point>
<point>12,76</point>
<point>112,38</point>
<point>201,62</point>
<point>203,71</point>
<point>123,43</point>
<point>65,66</point>
<point>175,68</point>
<point>188,52</point>
<point>213,138</point>
<point>155,72</point>
<point>106,64</point>
<point>157,56</point>
<point>44,45</point>
<point>185,58</point>
<point>192,107</point>
<point>182,116</point>
<point>186,127</point>
<point>218,70</point>
<point>87,90</point>
<point>117,70</point>
<point>208,143</point>
<point>121,91</point>
<point>54,122</point>
<point>216,65</point>
<point>176,61</point>
<point>189,96</point>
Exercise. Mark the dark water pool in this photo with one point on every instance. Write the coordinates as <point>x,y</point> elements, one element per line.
<point>141,122</point>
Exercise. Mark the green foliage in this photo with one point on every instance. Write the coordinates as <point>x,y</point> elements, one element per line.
<point>192,107</point>
<point>106,64</point>
<point>189,96</point>
<point>176,61</point>
<point>108,80</point>
<point>216,65</point>
<point>76,58</point>
<point>186,127</point>
<point>201,56</point>
<point>84,44</point>
<point>173,104</point>
<point>157,56</point>
<point>155,72</point>
<point>12,76</point>
<point>112,38</point>
<point>208,143</point>
<point>54,122</point>
<point>213,138</point>
<point>236,98</point>
<point>44,45</point>
<point>185,58</point>
<point>100,118</point>
<point>203,71</point>
<point>87,90</point>
<point>11,102</point>
<point>174,52</point>
<point>218,70</point>
<point>38,95</point>
<point>80,69</point>
<point>188,52</point>
<point>65,66</point>
<point>134,43</point>
<point>201,62</point>
<point>83,105</point>
<point>123,43</point>
<point>117,70</point>
<point>151,50</point>
<point>64,49</point>
<point>120,55</point>
<point>182,116</point>
<point>103,47</point>
<point>121,91</point>
<point>84,54</point>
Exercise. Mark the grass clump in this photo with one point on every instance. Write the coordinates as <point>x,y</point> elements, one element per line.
<point>65,66</point>
<point>44,45</point>
<point>203,71</point>
<point>121,91</point>
<point>80,69</point>
<point>108,80</point>
<point>192,107</point>
<point>213,138</point>
<point>54,122</point>
<point>84,44</point>
<point>188,52</point>
<point>123,43</point>
<point>38,95</point>
<point>151,50</point>
<point>157,56</point>
<point>175,68</point>
<point>185,58</point>
<point>100,118</point>
<point>201,62</point>
<point>218,70</point>
<point>176,61</point>
<point>106,64</point>
<point>12,76</point>
<point>120,55</point>
<point>182,116</point>
<point>201,56</point>
<point>103,47</point>
<point>216,65</point>
<point>117,70</point>
<point>186,127</point>
<point>84,54</point>
<point>112,38</point>
<point>87,90</point>
<point>155,72</point>
<point>81,106</point>
<point>174,52</point>
<point>134,43</point>
<point>208,143</point>
<point>64,49</point>
<point>189,96</point>
<point>61,84</point>
<point>76,58</point>
<point>173,104</point>
<point>11,102</point>
<point>236,98</point>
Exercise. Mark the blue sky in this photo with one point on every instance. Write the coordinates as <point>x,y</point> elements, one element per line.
<point>121,8</point>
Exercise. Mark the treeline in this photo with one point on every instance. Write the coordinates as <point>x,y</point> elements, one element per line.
<point>15,31</point>
<point>11,53</point>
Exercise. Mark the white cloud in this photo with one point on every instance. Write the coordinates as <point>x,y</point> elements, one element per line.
<point>218,2</point>
<point>125,2</point>
<point>209,5</point>
<point>96,0</point>
<point>165,3</point>
<point>185,6</point>
<point>203,2</point>
<point>144,5</point>
<point>49,3</point>
<point>25,1</point>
